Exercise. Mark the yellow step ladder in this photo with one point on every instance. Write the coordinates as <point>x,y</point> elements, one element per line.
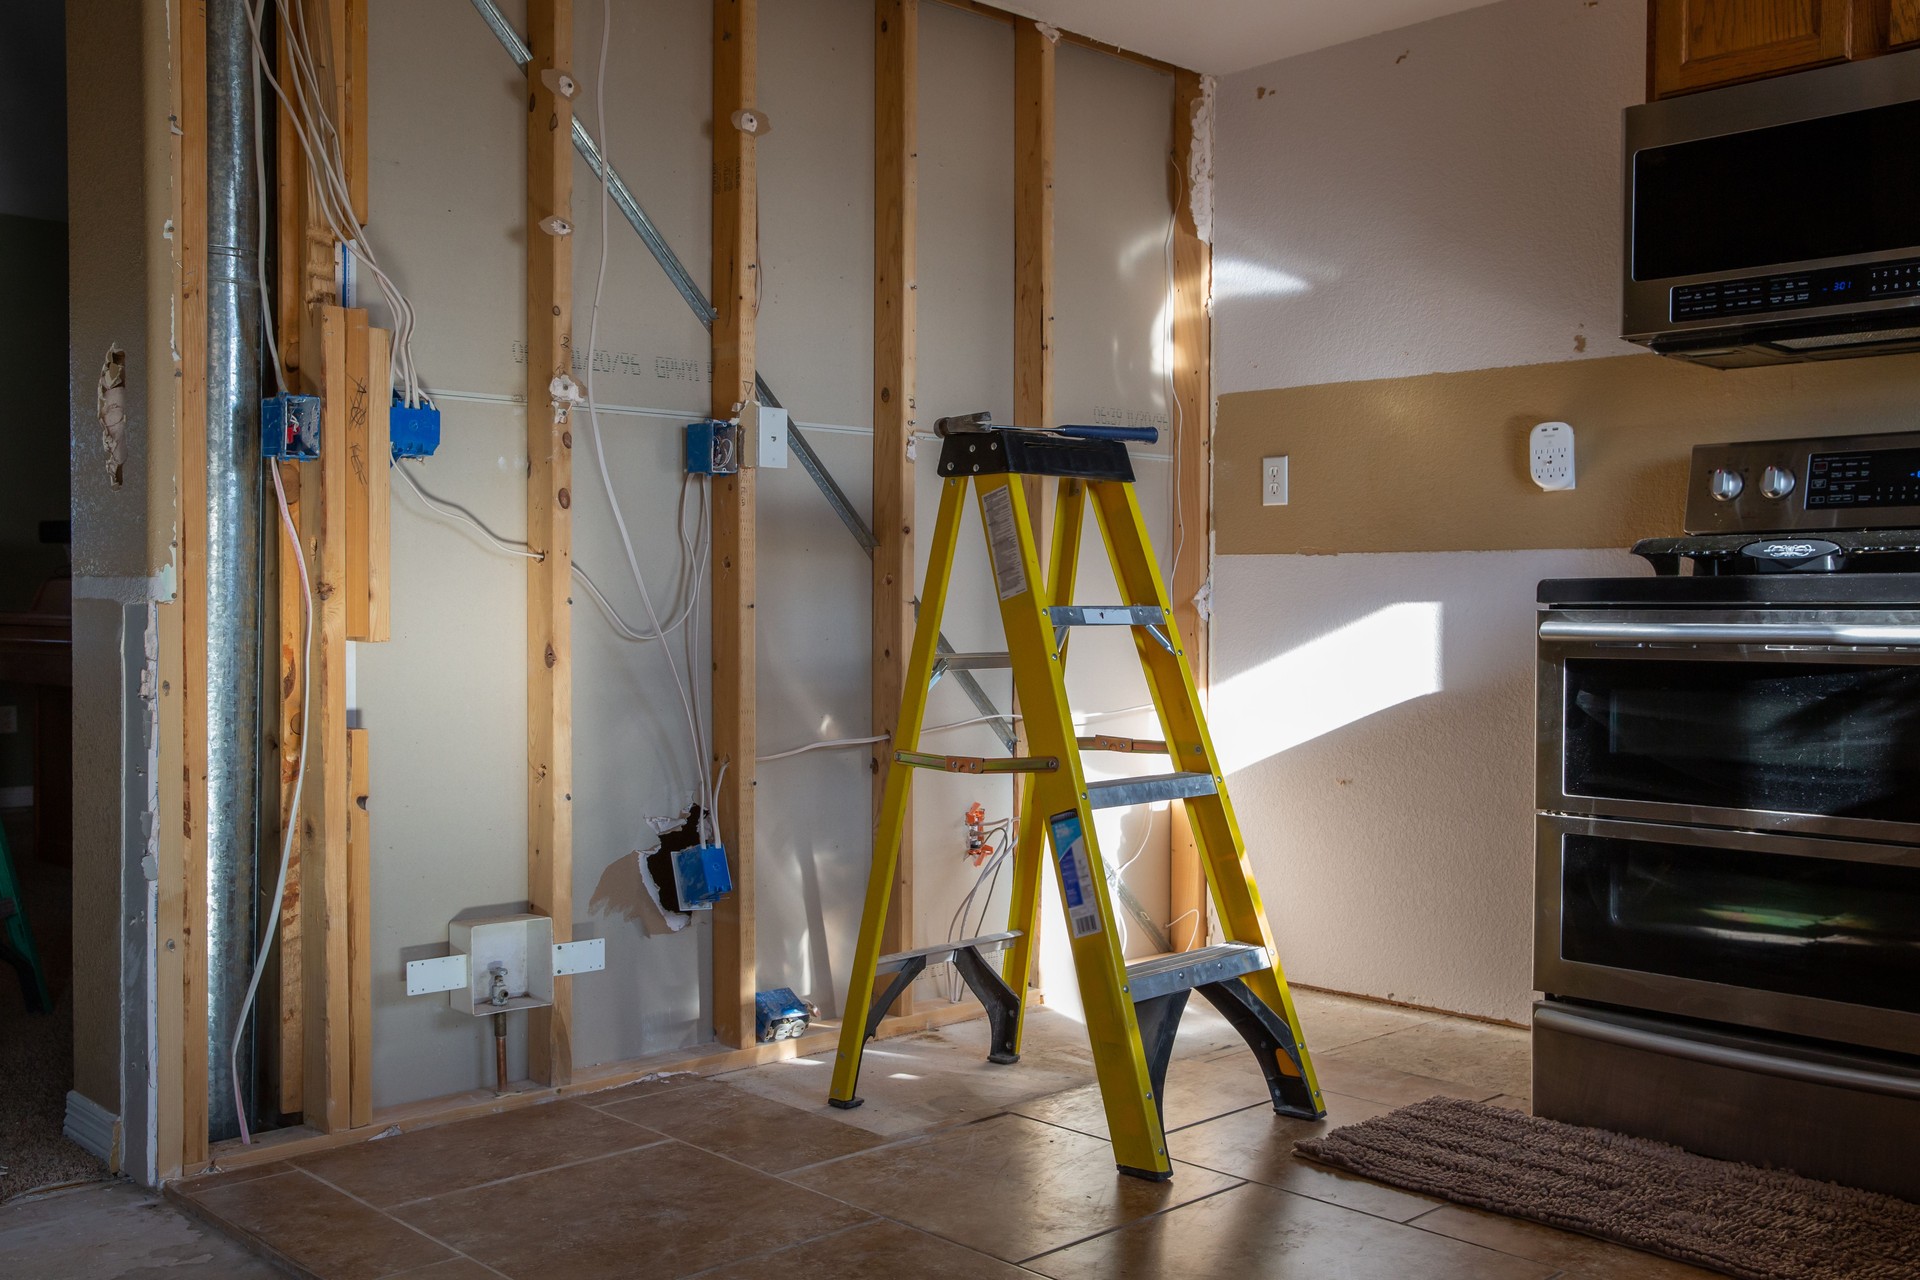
<point>1132,1011</point>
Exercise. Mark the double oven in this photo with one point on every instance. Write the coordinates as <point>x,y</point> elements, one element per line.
<point>1727,840</point>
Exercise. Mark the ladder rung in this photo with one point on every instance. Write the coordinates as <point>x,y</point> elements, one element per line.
<point>1185,970</point>
<point>972,661</point>
<point>1116,793</point>
<point>1137,746</point>
<point>941,952</point>
<point>977,764</point>
<point>1107,615</point>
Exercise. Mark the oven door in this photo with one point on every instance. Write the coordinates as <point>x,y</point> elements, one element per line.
<point>1808,937</point>
<point>1801,721</point>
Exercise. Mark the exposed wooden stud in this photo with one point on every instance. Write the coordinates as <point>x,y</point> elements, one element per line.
<point>549,521</point>
<point>352,23</point>
<point>896,203</point>
<point>359,477</point>
<point>291,1055</point>
<point>379,484</point>
<point>1193,476</point>
<point>180,1024</point>
<point>190,570</point>
<point>1033,78</point>
<point>359,932</point>
<point>736,298</point>
<point>337,349</point>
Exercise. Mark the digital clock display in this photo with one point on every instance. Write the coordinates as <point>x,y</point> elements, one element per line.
<point>1880,478</point>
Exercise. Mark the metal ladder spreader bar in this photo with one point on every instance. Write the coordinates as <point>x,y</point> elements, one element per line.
<point>1152,617</point>
<point>1185,970</point>
<point>977,764</point>
<point>1118,793</point>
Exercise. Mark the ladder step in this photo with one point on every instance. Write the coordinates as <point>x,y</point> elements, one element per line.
<point>1117,793</point>
<point>1107,615</point>
<point>1185,970</point>
<point>979,764</point>
<point>941,952</point>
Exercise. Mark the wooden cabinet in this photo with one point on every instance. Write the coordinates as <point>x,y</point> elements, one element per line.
<point>1903,23</point>
<point>1700,44</point>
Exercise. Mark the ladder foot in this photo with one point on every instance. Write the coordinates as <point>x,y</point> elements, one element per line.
<point>847,1105</point>
<point>1146,1175</point>
<point>1315,1111</point>
<point>1002,1058</point>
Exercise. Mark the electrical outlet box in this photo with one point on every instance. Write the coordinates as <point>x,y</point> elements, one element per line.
<point>290,427</point>
<point>1550,456</point>
<point>1273,481</point>
<point>763,433</point>
<point>413,432</point>
<point>713,448</point>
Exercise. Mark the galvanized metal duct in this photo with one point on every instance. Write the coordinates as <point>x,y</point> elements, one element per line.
<point>233,551</point>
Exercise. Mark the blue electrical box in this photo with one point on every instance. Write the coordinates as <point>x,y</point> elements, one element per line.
<point>290,427</point>
<point>414,432</point>
<point>779,1015</point>
<point>713,448</point>
<point>700,876</point>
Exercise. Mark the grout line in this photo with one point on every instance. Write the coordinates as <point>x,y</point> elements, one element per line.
<point>770,1253</point>
<point>457,1252</point>
<point>525,1173</point>
<point>1122,1226</point>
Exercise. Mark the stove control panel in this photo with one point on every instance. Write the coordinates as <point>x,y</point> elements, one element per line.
<point>1778,486</point>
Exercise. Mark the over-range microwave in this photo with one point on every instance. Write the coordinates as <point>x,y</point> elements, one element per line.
<point>1777,221</point>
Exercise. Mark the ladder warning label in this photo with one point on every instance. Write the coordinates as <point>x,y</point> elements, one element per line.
<point>1003,541</point>
<point>1076,876</point>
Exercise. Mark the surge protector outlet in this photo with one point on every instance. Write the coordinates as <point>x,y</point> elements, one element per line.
<point>1550,456</point>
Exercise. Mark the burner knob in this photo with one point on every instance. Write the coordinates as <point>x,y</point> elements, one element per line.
<point>1725,485</point>
<point>1776,482</point>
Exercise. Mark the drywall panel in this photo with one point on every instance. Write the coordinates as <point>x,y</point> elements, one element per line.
<point>1376,717</point>
<point>1441,197</point>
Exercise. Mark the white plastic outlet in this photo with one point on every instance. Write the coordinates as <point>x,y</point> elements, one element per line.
<point>763,429</point>
<point>1273,481</point>
<point>1550,456</point>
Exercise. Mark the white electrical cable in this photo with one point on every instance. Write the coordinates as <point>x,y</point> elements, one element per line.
<point>293,804</point>
<point>1179,414</point>
<point>706,792</point>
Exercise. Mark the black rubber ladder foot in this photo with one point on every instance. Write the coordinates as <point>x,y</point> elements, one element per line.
<point>847,1105</point>
<point>1272,1041</point>
<point>998,999</point>
<point>1146,1175</point>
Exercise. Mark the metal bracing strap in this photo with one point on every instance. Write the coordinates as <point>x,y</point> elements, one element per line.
<point>676,271</point>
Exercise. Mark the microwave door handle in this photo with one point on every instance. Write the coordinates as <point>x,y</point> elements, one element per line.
<point>1840,633</point>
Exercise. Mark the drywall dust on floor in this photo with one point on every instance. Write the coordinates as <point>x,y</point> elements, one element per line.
<point>116,1231</point>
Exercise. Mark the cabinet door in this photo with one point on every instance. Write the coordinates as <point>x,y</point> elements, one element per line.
<point>1903,23</point>
<point>1698,44</point>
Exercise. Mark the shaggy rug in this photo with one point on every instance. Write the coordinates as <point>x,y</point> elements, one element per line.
<point>1758,1224</point>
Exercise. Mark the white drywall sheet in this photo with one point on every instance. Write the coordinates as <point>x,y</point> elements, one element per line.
<point>445,699</point>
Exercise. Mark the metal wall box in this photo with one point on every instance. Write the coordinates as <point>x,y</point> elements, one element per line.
<point>713,448</point>
<point>290,427</point>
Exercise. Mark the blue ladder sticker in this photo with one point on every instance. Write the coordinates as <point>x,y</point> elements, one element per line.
<point>1076,875</point>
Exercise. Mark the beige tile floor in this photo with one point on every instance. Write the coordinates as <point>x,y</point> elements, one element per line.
<point>953,1168</point>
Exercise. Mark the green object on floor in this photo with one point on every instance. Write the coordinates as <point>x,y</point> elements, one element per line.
<point>16,939</point>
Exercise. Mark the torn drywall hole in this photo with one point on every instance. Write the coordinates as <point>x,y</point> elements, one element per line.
<point>1200,163</point>
<point>675,834</point>
<point>566,394</point>
<point>111,407</point>
<point>1203,600</point>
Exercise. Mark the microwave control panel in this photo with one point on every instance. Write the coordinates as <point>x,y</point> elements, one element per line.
<point>1782,486</point>
<point>1760,295</point>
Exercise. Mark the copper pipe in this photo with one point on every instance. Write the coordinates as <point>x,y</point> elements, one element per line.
<point>499,1053</point>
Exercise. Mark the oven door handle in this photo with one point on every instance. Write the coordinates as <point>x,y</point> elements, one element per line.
<point>1842,633</point>
<point>1723,1055</point>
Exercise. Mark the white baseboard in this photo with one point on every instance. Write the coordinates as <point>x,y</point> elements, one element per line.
<point>94,1128</point>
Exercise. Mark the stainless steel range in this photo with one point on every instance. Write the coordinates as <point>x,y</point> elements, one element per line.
<point>1728,836</point>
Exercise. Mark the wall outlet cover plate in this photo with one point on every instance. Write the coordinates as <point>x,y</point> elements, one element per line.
<point>1273,481</point>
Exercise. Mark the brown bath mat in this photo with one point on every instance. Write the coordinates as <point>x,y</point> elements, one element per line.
<point>1759,1224</point>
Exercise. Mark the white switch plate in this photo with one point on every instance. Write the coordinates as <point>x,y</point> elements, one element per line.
<point>764,430</point>
<point>1273,481</point>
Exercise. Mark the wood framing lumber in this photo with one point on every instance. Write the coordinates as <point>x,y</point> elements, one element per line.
<point>359,932</point>
<point>290,1058</point>
<point>736,297</point>
<point>896,43</point>
<point>1033,81</point>
<point>336,349</point>
<point>379,493</point>
<point>191,570</point>
<point>1192,423</point>
<point>549,519</point>
<point>1069,37</point>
